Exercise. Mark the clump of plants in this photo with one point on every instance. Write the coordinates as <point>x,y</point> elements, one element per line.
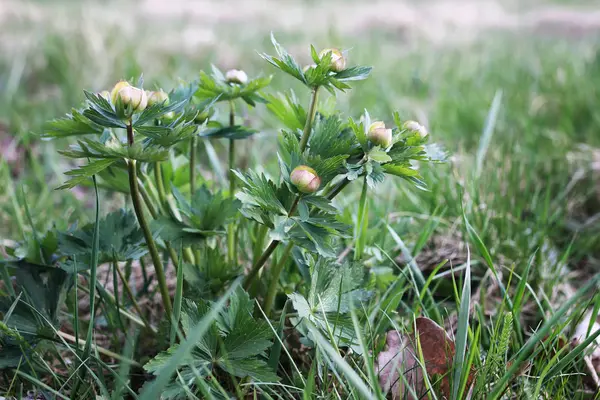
<point>247,284</point>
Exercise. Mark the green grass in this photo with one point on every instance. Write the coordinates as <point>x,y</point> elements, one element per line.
<point>526,194</point>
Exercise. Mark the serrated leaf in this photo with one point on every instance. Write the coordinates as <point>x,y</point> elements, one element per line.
<point>254,368</point>
<point>259,191</point>
<point>73,124</point>
<point>120,239</point>
<point>378,155</point>
<point>357,73</point>
<point>85,172</point>
<point>228,132</point>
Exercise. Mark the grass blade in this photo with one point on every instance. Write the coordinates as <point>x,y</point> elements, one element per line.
<point>463,331</point>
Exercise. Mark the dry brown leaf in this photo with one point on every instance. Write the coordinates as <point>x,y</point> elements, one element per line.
<point>400,356</point>
<point>580,334</point>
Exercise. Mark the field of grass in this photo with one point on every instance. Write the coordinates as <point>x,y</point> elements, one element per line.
<point>513,102</point>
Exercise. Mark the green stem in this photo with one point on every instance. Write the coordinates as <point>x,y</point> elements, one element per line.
<point>360,229</point>
<point>188,256</point>
<point>273,245</point>
<point>267,253</point>
<point>160,184</point>
<point>154,214</point>
<point>139,212</point>
<point>309,119</point>
<point>192,166</point>
<point>275,274</point>
<point>131,296</point>
<point>231,245</point>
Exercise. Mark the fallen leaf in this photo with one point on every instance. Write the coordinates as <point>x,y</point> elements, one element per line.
<point>400,356</point>
<point>581,333</point>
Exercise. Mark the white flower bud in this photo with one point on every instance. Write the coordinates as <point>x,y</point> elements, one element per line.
<point>338,62</point>
<point>157,97</point>
<point>115,90</point>
<point>414,126</point>
<point>305,179</point>
<point>236,76</point>
<point>133,97</point>
<point>379,135</point>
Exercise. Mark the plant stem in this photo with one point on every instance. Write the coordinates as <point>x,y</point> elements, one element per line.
<point>154,215</point>
<point>231,245</point>
<point>192,166</point>
<point>275,274</point>
<point>267,253</point>
<point>132,296</point>
<point>160,185</point>
<point>139,212</point>
<point>309,119</point>
<point>273,245</point>
<point>360,229</point>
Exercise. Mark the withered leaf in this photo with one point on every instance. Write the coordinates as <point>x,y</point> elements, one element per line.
<point>401,356</point>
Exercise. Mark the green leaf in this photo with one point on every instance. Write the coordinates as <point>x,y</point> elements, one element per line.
<point>259,191</point>
<point>121,239</point>
<point>73,124</point>
<point>178,99</point>
<point>216,87</point>
<point>167,136</point>
<point>357,73</point>
<point>42,288</point>
<point>285,62</point>
<point>287,109</point>
<point>228,132</point>
<point>252,367</point>
<point>85,172</point>
<point>378,155</point>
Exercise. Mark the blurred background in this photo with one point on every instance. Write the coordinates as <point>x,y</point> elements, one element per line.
<point>510,88</point>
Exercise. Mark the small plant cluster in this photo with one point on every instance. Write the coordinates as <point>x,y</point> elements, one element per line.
<point>258,298</point>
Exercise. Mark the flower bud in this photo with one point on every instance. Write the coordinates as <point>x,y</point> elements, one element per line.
<point>379,135</point>
<point>115,90</point>
<point>414,126</point>
<point>170,116</point>
<point>105,94</point>
<point>307,67</point>
<point>305,179</point>
<point>204,115</point>
<point>133,97</point>
<point>338,62</point>
<point>157,97</point>
<point>236,76</point>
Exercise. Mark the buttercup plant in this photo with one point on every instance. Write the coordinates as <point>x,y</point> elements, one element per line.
<point>223,238</point>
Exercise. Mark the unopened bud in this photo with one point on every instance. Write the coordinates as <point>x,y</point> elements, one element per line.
<point>133,97</point>
<point>236,76</point>
<point>170,116</point>
<point>379,135</point>
<point>115,90</point>
<point>157,97</point>
<point>305,179</point>
<point>105,94</point>
<point>307,67</point>
<point>414,126</point>
<point>338,62</point>
<point>204,115</point>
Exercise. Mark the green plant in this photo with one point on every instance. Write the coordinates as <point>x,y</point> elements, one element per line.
<point>241,315</point>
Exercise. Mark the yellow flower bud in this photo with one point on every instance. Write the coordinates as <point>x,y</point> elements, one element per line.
<point>157,97</point>
<point>338,62</point>
<point>133,97</point>
<point>414,126</point>
<point>236,76</point>
<point>307,67</point>
<point>115,90</point>
<point>105,94</point>
<point>305,179</point>
<point>379,135</point>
